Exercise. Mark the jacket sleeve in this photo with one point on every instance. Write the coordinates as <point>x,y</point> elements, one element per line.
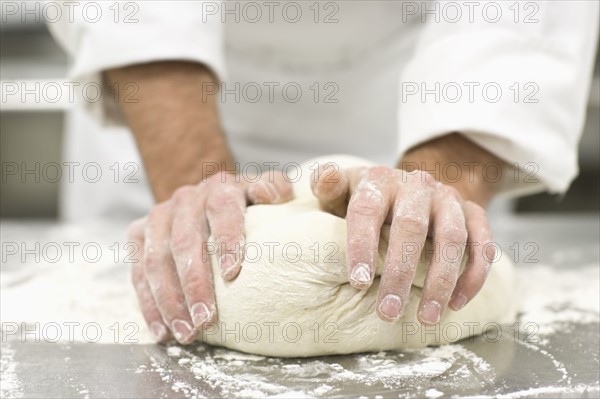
<point>102,35</point>
<point>513,77</point>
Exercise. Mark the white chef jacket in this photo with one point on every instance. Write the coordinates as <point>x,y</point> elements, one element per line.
<point>511,76</point>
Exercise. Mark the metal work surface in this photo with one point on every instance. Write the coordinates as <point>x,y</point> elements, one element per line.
<point>549,357</point>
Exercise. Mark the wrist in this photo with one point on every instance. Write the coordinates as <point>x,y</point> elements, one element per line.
<point>175,125</point>
<point>457,162</point>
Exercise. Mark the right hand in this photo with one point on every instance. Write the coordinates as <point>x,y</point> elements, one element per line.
<point>171,274</point>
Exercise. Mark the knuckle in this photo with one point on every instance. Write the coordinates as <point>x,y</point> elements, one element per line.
<point>198,286</point>
<point>401,276</point>
<point>475,208</point>
<point>286,190</point>
<point>256,194</point>
<point>361,207</point>
<point>444,284</point>
<point>426,178</point>
<point>270,176</point>
<point>168,308</point>
<point>458,236</point>
<point>380,170</point>
<point>418,176</point>
<point>329,188</point>
<point>412,224</point>
<point>170,301</point>
<point>219,177</point>
<point>257,188</point>
<point>223,200</point>
<point>150,265</point>
<point>226,238</point>
<point>153,262</point>
<point>452,232</point>
<point>180,241</point>
<point>158,211</point>
<point>449,191</point>
<point>262,191</point>
<point>183,193</point>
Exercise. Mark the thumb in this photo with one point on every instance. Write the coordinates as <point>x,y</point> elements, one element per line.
<point>332,186</point>
<point>271,188</point>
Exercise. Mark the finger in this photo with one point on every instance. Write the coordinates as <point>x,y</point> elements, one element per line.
<point>450,237</point>
<point>331,186</point>
<point>272,188</point>
<point>142,289</point>
<point>189,236</point>
<point>225,208</point>
<point>408,233</point>
<point>162,275</point>
<point>367,210</point>
<point>480,253</point>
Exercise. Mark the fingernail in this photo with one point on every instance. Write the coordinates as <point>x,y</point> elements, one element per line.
<point>227,264</point>
<point>200,313</point>
<point>182,331</point>
<point>490,254</point>
<point>159,330</point>
<point>430,312</point>
<point>458,302</point>
<point>273,195</point>
<point>390,307</point>
<point>270,193</point>
<point>361,274</point>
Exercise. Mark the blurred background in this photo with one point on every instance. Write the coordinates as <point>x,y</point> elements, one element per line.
<point>33,131</point>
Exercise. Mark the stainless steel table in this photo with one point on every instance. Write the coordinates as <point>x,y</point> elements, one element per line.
<point>564,363</point>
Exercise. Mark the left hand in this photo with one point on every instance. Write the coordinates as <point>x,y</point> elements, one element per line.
<point>416,206</point>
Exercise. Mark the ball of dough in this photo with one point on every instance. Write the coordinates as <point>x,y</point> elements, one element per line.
<point>292,297</point>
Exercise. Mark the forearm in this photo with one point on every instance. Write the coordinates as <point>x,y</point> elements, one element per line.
<point>458,162</point>
<point>176,127</point>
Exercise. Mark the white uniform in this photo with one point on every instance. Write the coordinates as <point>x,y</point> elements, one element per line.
<point>367,78</point>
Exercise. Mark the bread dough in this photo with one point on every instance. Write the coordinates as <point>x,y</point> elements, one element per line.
<point>292,297</point>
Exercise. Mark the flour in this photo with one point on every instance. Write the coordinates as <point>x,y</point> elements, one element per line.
<point>570,301</point>
<point>451,366</point>
<point>433,393</point>
<point>10,385</point>
<point>73,300</point>
<point>234,374</point>
<point>101,293</point>
<point>555,299</point>
<point>548,392</point>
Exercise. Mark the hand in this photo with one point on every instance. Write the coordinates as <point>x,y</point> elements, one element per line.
<point>172,276</point>
<point>416,206</point>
